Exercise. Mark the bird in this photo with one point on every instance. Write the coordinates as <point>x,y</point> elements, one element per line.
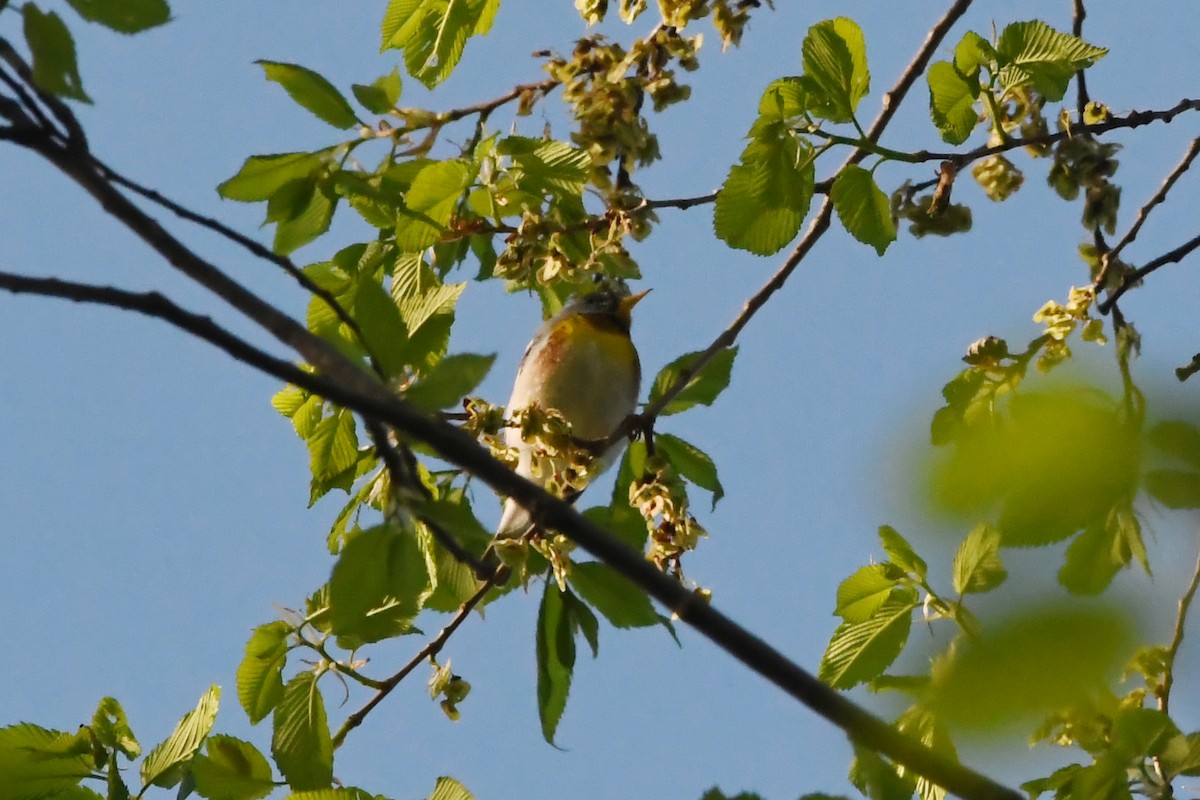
<point>582,364</point>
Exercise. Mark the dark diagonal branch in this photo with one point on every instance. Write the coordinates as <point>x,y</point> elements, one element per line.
<point>1135,277</point>
<point>1163,691</point>
<point>551,512</point>
<point>820,223</point>
<point>1159,196</point>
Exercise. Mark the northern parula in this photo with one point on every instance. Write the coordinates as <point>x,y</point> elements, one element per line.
<point>581,364</point>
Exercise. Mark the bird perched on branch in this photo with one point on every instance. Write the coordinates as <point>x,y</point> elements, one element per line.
<point>578,380</point>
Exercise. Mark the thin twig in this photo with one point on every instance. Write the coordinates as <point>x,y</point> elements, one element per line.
<point>1189,369</point>
<point>250,245</point>
<point>1168,678</point>
<point>820,223</point>
<point>1078,15</point>
<point>549,511</point>
<point>430,650</point>
<point>1144,212</point>
<point>1135,277</point>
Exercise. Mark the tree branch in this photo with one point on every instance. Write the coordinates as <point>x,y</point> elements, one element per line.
<point>1144,212</point>
<point>1163,691</point>
<point>1135,277</point>
<point>549,511</point>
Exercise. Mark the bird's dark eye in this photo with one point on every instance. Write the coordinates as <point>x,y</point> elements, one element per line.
<point>597,278</point>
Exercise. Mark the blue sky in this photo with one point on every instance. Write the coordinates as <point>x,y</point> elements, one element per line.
<point>154,504</point>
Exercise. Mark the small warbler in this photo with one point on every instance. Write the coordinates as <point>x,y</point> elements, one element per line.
<point>581,364</point>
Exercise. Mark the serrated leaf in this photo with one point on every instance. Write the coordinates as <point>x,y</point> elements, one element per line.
<point>835,61</point>
<point>301,744</point>
<point>622,603</point>
<point>784,99</point>
<point>1174,488</point>
<point>920,725</point>
<point>124,16</point>
<point>55,68</point>
<point>583,621</point>
<point>380,96</point>
<point>901,553</point>
<point>555,659</point>
<point>972,53</point>
<point>1033,53</point>
<point>450,381</point>
<point>382,326</point>
<point>262,176</point>
<point>860,651</point>
<point>164,765</point>
<point>542,165</point>
<point>433,33</point>
<point>692,463</point>
<point>864,592</point>
<point>231,769</point>
<point>430,202</point>
<point>449,789</point>
<point>36,762</point>
<point>312,92</point>
<point>702,388</point>
<point>259,676</point>
<point>379,584</point>
<point>765,198</point>
<point>333,445</point>
<point>977,564</point>
<point>439,301</point>
<point>863,208</point>
<point>952,102</point>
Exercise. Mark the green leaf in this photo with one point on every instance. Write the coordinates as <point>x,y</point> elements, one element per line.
<point>622,603</point>
<point>1037,661</point>
<point>124,16</point>
<point>860,651</point>
<point>313,92</point>
<point>1090,564</point>
<point>864,592</point>
<point>952,102</point>
<point>36,762</point>
<point>262,176</point>
<point>111,728</point>
<point>901,553</point>
<point>544,164</point>
<point>165,764</point>
<point>449,789</point>
<point>259,676</point>
<point>379,584</point>
<point>231,769</point>
<point>301,745</point>
<point>382,326</point>
<point>555,659</point>
<point>433,33</point>
<point>430,202</point>
<point>447,383</point>
<point>583,621</point>
<point>55,68</point>
<point>381,96</point>
<point>692,463</point>
<point>783,100</point>
<point>863,208</point>
<point>764,199</point>
<point>1174,488</point>
<point>920,725</point>
<point>1034,54</point>
<point>977,565</point>
<point>702,388</point>
<point>972,53</point>
<point>307,221</point>
<point>877,779</point>
<point>835,61</point>
<point>333,445</point>
<point>1179,439</point>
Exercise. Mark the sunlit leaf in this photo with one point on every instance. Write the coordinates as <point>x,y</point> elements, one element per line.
<point>259,677</point>
<point>859,651</point>
<point>692,463</point>
<point>164,765</point>
<point>977,564</point>
<point>379,584</point>
<point>764,199</point>
<point>36,762</point>
<point>860,595</point>
<point>301,744</point>
<point>952,101</point>
<point>313,92</point>
<point>448,382</point>
<point>381,96</point>
<point>863,208</point>
<point>231,769</point>
<point>449,789</point>
<point>262,176</point>
<point>1034,54</point>
<point>835,61</point>
<point>702,388</point>
<point>901,553</point>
